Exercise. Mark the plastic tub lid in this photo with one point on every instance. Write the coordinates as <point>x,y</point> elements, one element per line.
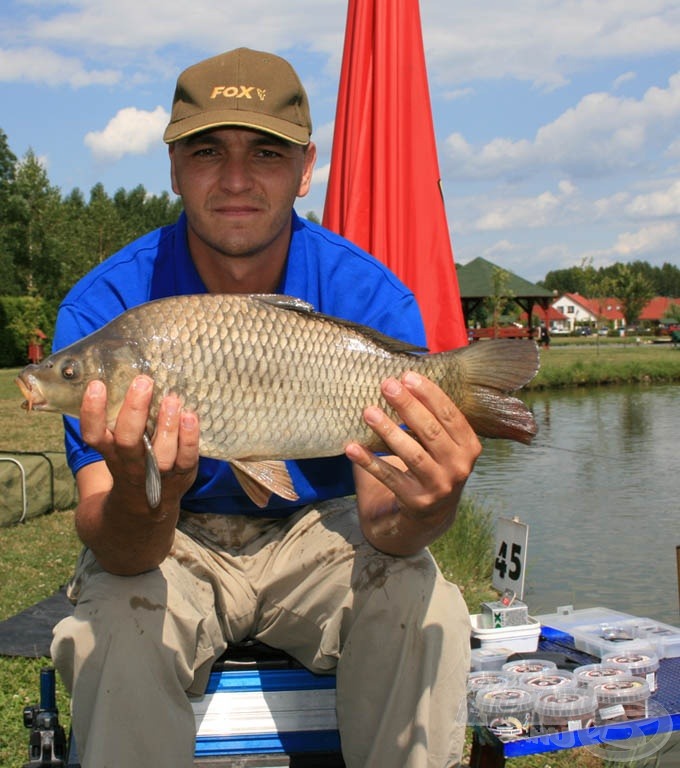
<point>622,690</point>
<point>589,674</point>
<point>490,655</point>
<point>566,703</point>
<point>496,701</point>
<point>547,680</point>
<point>488,678</point>
<point>529,665</point>
<point>492,652</point>
<point>637,662</point>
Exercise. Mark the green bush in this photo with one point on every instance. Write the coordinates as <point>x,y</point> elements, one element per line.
<point>19,317</point>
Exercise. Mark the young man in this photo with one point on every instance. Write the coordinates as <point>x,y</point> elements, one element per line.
<point>344,586</point>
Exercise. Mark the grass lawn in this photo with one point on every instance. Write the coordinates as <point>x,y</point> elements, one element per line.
<point>593,362</point>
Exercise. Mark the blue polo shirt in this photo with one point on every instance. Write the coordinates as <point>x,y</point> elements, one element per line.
<point>329,272</point>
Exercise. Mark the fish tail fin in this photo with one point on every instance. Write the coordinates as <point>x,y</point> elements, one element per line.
<point>493,369</point>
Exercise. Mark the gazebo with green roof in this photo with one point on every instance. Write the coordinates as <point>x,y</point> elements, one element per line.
<point>477,281</point>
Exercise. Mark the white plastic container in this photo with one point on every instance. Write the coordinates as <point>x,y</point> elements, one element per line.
<point>640,663</point>
<point>488,658</point>
<point>623,698</point>
<point>520,638</point>
<point>529,666</point>
<point>566,710</point>
<point>550,680</point>
<point>600,631</point>
<point>481,681</point>
<point>507,712</point>
<point>664,637</point>
<point>588,675</point>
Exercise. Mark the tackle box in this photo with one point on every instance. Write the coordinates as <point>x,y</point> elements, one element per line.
<point>599,631</point>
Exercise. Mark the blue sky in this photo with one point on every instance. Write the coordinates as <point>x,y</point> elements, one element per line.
<point>558,123</point>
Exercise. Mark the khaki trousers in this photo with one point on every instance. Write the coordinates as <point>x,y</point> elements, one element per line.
<point>393,630</point>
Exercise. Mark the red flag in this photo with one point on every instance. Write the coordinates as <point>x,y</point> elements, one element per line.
<point>384,188</point>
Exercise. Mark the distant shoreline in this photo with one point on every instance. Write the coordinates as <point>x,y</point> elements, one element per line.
<point>598,362</point>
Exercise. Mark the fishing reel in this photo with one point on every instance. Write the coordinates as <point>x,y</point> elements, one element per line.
<point>47,743</point>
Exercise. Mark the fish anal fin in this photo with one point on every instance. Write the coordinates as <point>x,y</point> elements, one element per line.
<point>259,479</point>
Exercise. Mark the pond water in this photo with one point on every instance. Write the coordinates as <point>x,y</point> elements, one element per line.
<point>600,490</point>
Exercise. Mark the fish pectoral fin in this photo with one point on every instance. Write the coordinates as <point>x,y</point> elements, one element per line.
<point>259,479</point>
<point>153,475</point>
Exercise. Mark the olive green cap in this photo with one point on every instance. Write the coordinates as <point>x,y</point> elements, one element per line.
<point>242,88</point>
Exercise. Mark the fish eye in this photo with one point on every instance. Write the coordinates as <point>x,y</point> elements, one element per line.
<point>70,370</point>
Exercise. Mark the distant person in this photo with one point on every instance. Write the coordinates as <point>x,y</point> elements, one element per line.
<point>346,588</point>
<point>545,336</point>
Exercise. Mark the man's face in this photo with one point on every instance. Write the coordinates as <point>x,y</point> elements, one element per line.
<point>238,187</point>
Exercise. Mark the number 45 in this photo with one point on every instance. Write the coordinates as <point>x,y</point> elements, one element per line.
<point>501,564</point>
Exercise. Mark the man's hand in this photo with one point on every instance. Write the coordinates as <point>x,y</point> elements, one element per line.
<point>113,517</point>
<point>410,498</point>
<point>175,442</point>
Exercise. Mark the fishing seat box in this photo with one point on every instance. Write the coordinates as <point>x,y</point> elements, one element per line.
<point>262,709</point>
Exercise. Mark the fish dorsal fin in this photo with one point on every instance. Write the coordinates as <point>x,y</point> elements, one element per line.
<point>292,304</point>
<point>283,302</point>
<point>259,479</point>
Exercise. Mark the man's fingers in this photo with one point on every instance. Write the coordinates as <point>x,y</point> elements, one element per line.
<point>187,451</point>
<point>166,438</point>
<point>93,414</point>
<point>133,416</point>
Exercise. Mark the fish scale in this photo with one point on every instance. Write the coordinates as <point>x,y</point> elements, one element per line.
<point>270,379</point>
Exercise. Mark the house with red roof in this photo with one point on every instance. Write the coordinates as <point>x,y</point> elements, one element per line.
<point>556,321</point>
<point>605,311</point>
<point>657,309</point>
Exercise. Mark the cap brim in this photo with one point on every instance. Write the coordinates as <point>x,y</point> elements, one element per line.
<point>189,126</point>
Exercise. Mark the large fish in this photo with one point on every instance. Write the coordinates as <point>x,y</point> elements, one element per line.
<point>271,379</point>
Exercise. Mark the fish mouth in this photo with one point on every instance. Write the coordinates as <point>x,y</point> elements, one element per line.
<point>35,400</point>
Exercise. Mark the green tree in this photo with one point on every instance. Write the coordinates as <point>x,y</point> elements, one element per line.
<point>33,206</point>
<point>570,280</point>
<point>501,296</point>
<point>7,161</point>
<point>633,289</point>
<point>159,210</point>
<point>672,314</point>
<point>8,279</point>
<point>667,281</point>
<point>102,225</point>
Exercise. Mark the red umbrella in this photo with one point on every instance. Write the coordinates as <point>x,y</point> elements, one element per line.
<point>384,189</point>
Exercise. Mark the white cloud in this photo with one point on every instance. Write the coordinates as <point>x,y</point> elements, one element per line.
<point>602,134</point>
<point>144,26</point>
<point>665,202</point>
<point>626,77</point>
<point>543,43</point>
<point>645,242</point>
<point>321,173</point>
<point>130,132</point>
<point>40,65</point>
<point>523,212</point>
<point>458,93</point>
